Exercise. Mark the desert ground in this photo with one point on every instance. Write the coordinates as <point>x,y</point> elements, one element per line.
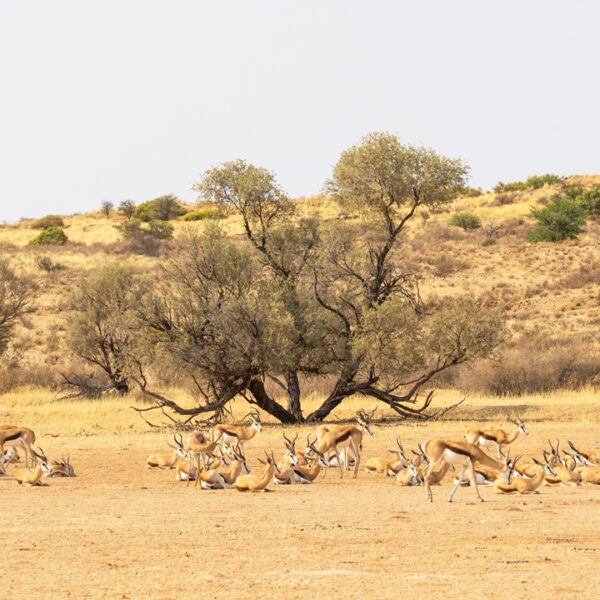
<point>119,530</point>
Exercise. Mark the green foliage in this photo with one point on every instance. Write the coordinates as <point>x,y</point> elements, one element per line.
<point>163,208</point>
<point>209,212</point>
<point>589,199</point>
<point>160,230</point>
<point>16,295</point>
<point>48,221</point>
<point>470,192</point>
<point>50,236</point>
<point>101,327</point>
<point>531,183</point>
<point>127,208</point>
<point>466,220</point>
<point>560,220</point>
<point>386,177</point>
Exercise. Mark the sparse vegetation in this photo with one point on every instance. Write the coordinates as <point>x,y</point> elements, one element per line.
<point>466,220</point>
<point>127,208</point>
<point>51,236</point>
<point>163,208</point>
<point>48,221</point>
<point>531,183</point>
<point>209,212</point>
<point>106,208</point>
<point>560,220</point>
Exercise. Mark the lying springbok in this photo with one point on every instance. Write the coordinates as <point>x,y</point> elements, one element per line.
<point>64,468</point>
<point>258,483</point>
<point>408,476</point>
<point>440,451</point>
<point>31,477</point>
<point>525,485</point>
<point>167,461</point>
<point>388,466</point>
<point>236,468</point>
<point>18,437</point>
<point>11,456</point>
<point>590,457</point>
<point>565,473</point>
<point>492,436</point>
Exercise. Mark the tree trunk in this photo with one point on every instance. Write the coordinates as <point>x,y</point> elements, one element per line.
<point>293,390</point>
<point>264,401</point>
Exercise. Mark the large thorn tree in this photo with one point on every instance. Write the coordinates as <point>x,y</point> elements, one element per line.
<point>299,298</point>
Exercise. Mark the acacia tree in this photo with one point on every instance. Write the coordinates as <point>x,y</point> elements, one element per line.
<point>16,296</point>
<point>312,300</point>
<point>100,329</point>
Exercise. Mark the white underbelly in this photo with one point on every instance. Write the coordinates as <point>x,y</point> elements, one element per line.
<point>485,442</point>
<point>456,459</point>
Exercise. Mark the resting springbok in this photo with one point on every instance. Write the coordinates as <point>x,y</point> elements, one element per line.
<point>440,451</point>
<point>18,437</point>
<point>388,466</point>
<point>258,483</point>
<point>166,461</point>
<point>591,457</point>
<point>237,435</point>
<point>407,476</point>
<point>492,436</point>
<point>31,477</point>
<point>236,468</point>
<point>11,456</point>
<point>64,468</point>
<point>525,485</point>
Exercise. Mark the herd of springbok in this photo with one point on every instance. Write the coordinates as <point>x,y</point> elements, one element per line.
<point>217,459</point>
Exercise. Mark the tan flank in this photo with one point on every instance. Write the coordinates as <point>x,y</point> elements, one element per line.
<point>18,437</point>
<point>33,476</point>
<point>491,436</point>
<point>258,483</point>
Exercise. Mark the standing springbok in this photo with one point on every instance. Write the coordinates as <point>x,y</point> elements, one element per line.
<point>492,436</point>
<point>338,441</point>
<point>234,435</point>
<point>441,451</point>
<point>18,437</point>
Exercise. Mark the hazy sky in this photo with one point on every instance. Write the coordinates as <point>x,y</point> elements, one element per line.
<point>107,100</point>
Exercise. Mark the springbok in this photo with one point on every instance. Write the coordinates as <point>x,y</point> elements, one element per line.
<point>525,485</point>
<point>31,477</point>
<point>440,451</point>
<point>408,475</point>
<point>237,466</point>
<point>591,457</point>
<point>258,483</point>
<point>492,436</point>
<point>388,466</point>
<point>565,473</point>
<point>18,437</point>
<point>234,435</point>
<point>363,422</point>
<point>336,441</point>
<point>64,468</point>
<point>11,456</point>
<point>166,461</point>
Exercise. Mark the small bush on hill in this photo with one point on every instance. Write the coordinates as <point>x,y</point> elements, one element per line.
<point>160,230</point>
<point>48,221</point>
<point>466,221</point>
<point>163,208</point>
<point>470,192</point>
<point>45,263</point>
<point>49,237</point>
<point>561,219</point>
<point>209,212</point>
<point>534,182</point>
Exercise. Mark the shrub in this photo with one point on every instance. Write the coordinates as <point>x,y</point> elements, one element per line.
<point>560,220</point>
<point>466,221</point>
<point>163,208</point>
<point>470,192</point>
<point>590,200</point>
<point>45,263</point>
<point>160,230</point>
<point>51,236</point>
<point>204,213</point>
<point>48,221</point>
<point>534,182</point>
<point>127,208</point>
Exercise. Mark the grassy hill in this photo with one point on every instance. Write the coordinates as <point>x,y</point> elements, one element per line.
<point>550,291</point>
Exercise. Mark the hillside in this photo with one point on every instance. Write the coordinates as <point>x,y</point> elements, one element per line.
<point>550,291</point>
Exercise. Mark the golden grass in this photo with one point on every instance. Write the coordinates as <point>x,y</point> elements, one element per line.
<point>39,409</point>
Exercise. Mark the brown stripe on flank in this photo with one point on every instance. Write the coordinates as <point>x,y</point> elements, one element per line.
<point>456,449</point>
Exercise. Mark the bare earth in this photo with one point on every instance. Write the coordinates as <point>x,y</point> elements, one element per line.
<point>119,530</point>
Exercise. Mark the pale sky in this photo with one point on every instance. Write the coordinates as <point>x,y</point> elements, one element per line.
<point>115,99</point>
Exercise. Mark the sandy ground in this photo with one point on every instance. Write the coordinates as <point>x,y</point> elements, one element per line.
<point>119,530</point>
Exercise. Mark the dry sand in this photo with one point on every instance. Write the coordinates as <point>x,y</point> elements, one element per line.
<point>119,530</point>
